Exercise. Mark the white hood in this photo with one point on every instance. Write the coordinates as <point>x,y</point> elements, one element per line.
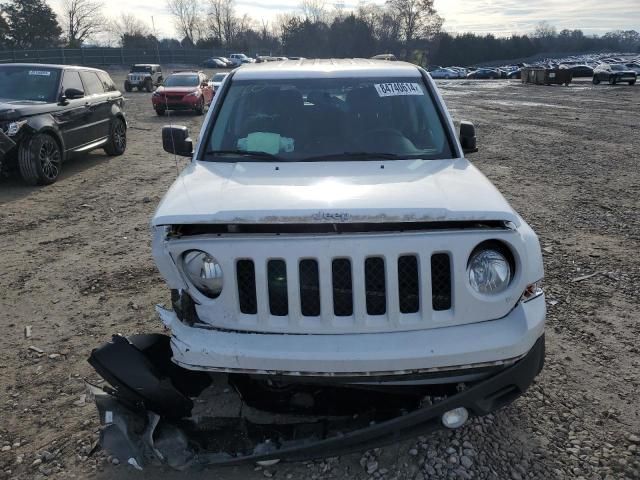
<point>365,191</point>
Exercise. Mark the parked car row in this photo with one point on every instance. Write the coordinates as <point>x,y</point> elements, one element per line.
<point>612,70</point>
<point>236,59</point>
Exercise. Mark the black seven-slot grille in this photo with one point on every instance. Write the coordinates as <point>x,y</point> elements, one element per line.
<point>342,271</point>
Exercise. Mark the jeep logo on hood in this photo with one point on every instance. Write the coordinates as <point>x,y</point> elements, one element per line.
<point>331,216</point>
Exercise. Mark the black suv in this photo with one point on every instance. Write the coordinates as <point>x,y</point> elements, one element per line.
<point>48,112</point>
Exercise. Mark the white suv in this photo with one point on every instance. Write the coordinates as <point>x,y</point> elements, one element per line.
<point>329,231</point>
<point>240,59</point>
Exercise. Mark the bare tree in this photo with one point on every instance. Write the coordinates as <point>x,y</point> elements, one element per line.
<point>544,30</point>
<point>81,20</point>
<point>224,24</point>
<point>187,18</point>
<point>418,18</point>
<point>314,10</point>
<point>222,19</point>
<point>128,25</point>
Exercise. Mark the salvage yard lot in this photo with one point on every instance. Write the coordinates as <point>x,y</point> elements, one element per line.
<point>76,266</point>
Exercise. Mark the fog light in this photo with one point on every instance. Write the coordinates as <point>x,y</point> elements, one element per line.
<point>455,418</point>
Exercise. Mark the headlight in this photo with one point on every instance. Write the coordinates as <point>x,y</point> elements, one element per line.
<point>194,94</point>
<point>204,272</point>
<point>489,271</point>
<point>14,127</point>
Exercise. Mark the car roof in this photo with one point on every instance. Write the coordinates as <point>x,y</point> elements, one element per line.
<point>146,65</point>
<point>52,66</point>
<point>326,68</point>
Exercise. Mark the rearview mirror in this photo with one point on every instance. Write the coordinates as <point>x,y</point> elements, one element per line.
<point>468,137</point>
<point>73,93</point>
<point>176,140</point>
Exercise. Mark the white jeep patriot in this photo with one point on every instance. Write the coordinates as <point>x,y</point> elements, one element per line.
<point>331,251</point>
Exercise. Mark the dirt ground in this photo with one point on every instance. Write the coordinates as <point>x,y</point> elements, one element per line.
<point>76,266</point>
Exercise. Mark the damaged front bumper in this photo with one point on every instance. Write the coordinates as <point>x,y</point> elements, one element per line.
<point>157,412</point>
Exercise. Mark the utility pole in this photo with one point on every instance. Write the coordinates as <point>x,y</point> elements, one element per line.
<point>153,24</point>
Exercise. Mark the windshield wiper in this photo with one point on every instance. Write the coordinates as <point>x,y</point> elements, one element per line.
<point>244,153</point>
<point>355,156</point>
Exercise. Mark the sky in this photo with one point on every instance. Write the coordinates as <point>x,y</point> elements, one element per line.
<point>500,17</point>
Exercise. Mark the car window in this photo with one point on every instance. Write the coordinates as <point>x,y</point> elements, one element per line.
<point>72,80</point>
<point>107,82</point>
<point>299,119</point>
<point>93,85</point>
<point>182,81</point>
<point>38,84</point>
<point>218,77</point>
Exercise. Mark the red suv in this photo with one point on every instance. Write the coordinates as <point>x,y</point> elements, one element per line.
<point>183,91</point>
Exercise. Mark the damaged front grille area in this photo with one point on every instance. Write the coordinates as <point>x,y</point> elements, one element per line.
<point>375,291</point>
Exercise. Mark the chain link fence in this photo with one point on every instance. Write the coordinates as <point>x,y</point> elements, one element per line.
<point>108,56</point>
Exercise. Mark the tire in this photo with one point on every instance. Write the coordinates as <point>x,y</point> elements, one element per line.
<point>612,80</point>
<point>596,80</point>
<point>117,143</point>
<point>200,107</point>
<point>127,86</point>
<point>160,112</point>
<point>148,85</point>
<point>40,159</point>
<point>632,82</point>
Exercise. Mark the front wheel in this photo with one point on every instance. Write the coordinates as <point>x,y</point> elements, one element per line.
<point>148,85</point>
<point>40,159</point>
<point>117,143</point>
<point>127,86</point>
<point>632,82</point>
<point>612,80</point>
<point>160,112</point>
<point>596,80</point>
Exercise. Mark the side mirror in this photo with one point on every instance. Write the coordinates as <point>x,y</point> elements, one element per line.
<point>468,137</point>
<point>176,140</point>
<point>73,93</point>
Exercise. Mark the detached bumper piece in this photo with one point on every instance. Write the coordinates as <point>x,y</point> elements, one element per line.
<point>157,412</point>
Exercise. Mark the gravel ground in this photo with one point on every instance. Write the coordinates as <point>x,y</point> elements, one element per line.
<point>75,266</point>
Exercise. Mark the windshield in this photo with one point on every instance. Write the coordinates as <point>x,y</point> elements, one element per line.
<point>140,69</point>
<point>30,83</point>
<point>337,118</point>
<point>182,81</point>
<point>617,67</point>
<point>218,77</point>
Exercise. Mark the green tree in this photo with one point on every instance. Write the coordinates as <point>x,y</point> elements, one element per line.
<point>351,37</point>
<point>31,24</point>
